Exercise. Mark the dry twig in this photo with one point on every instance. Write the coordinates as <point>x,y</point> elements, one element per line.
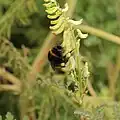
<point>113,74</point>
<point>16,84</point>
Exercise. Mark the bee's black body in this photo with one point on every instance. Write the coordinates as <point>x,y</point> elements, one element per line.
<point>56,57</point>
<point>72,87</point>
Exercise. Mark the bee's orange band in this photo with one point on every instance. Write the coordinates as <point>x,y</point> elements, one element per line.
<point>53,54</point>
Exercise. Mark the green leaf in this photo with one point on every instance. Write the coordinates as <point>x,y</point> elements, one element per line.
<point>0,117</point>
<point>9,116</point>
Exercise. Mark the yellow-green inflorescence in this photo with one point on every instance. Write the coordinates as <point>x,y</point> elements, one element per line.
<point>60,23</point>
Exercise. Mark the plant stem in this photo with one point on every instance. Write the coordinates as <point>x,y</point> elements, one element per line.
<point>41,58</point>
<point>113,74</point>
<point>90,89</point>
<point>9,77</point>
<point>99,33</point>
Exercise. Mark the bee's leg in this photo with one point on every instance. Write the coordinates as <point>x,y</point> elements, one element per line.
<point>62,64</point>
<point>68,55</point>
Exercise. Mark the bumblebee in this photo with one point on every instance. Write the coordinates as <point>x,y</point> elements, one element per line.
<point>58,61</point>
<point>57,58</point>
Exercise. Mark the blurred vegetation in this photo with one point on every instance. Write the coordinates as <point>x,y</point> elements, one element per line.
<point>24,29</point>
<point>101,53</point>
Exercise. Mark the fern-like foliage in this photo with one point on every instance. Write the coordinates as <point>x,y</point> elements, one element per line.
<point>52,102</point>
<point>9,116</point>
<point>17,12</point>
<point>11,57</point>
<point>96,113</point>
<point>116,111</point>
<point>51,108</point>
